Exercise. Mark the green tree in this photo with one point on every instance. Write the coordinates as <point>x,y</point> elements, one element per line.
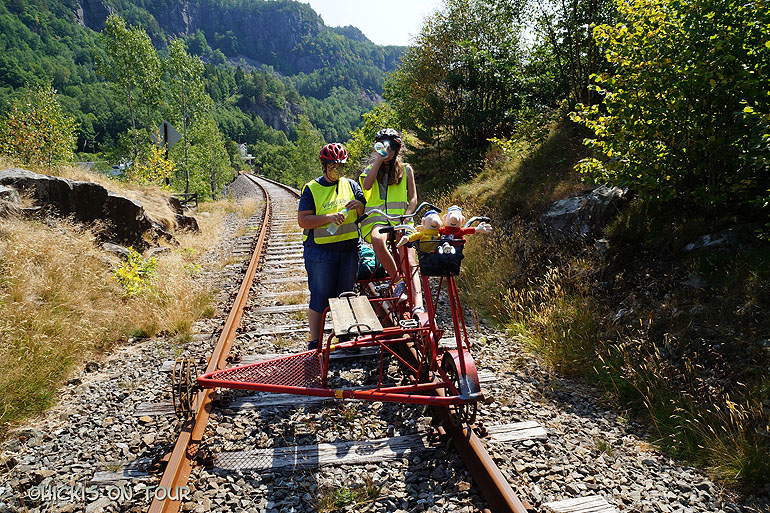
<point>133,65</point>
<point>565,43</point>
<point>461,82</point>
<point>685,111</point>
<point>187,99</point>
<point>208,164</point>
<point>37,131</point>
<point>304,161</point>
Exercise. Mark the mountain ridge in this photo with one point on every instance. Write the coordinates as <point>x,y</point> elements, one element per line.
<point>294,64</point>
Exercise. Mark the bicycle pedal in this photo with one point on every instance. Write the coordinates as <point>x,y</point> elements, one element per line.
<point>409,324</point>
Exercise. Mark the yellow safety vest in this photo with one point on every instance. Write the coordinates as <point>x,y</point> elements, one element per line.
<point>327,201</point>
<point>391,199</point>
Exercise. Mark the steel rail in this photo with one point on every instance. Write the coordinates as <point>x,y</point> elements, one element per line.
<point>178,469</point>
<point>493,485</point>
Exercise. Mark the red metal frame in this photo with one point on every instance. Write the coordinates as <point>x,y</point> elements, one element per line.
<point>307,373</point>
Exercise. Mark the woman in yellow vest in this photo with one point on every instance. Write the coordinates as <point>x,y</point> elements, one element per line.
<point>328,207</point>
<point>388,185</point>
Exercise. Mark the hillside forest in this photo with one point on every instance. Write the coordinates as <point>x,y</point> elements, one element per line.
<point>118,77</point>
<point>506,106</point>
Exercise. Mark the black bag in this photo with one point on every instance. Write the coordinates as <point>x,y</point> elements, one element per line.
<point>441,264</point>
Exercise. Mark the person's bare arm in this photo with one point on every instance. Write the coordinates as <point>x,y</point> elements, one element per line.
<point>308,220</point>
<point>371,175</point>
<point>411,189</point>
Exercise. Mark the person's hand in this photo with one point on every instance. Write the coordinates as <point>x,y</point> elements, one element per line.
<point>354,205</point>
<point>403,241</point>
<point>336,217</point>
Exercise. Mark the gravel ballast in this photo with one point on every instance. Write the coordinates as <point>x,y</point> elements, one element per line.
<point>94,430</point>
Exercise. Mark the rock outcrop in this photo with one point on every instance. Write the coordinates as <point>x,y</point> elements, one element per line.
<point>9,195</point>
<point>581,217</point>
<point>184,222</point>
<point>124,219</point>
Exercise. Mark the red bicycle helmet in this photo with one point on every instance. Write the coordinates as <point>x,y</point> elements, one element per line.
<point>334,152</point>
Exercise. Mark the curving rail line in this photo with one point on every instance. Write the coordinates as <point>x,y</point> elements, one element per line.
<point>493,485</point>
<point>179,465</point>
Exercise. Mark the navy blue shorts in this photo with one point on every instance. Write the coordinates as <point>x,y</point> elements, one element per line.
<point>329,274</point>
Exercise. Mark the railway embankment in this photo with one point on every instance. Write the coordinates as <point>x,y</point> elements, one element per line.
<point>114,422</point>
<point>662,307</point>
<point>68,297</point>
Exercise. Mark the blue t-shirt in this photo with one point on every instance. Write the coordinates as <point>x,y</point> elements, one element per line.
<point>306,202</point>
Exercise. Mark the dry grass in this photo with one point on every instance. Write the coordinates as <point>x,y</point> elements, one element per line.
<point>547,296</point>
<point>59,304</point>
<point>552,308</point>
<point>245,208</point>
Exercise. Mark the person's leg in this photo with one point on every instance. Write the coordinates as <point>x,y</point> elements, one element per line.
<point>314,320</point>
<point>416,283</point>
<point>347,271</point>
<point>321,273</point>
<point>380,246</point>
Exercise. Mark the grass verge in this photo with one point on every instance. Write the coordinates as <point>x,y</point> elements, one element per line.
<point>681,340</point>
<point>61,304</point>
<point>706,402</point>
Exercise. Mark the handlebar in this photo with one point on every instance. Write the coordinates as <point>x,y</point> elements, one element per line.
<point>398,217</point>
<point>480,219</point>
<point>390,229</point>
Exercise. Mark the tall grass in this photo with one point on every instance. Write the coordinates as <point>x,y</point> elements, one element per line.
<point>546,296</point>
<point>60,304</point>
<point>701,408</point>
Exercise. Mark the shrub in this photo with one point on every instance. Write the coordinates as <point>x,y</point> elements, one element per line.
<point>685,111</point>
<point>135,273</point>
<point>37,131</point>
<point>151,167</point>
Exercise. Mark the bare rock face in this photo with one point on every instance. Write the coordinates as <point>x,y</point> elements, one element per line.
<point>184,222</point>
<point>92,14</point>
<point>581,217</point>
<point>125,219</point>
<point>9,195</point>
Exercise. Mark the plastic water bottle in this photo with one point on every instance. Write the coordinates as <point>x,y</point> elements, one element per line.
<point>334,226</point>
<point>382,148</point>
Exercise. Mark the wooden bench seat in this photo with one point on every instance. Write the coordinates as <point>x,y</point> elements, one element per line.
<point>353,316</point>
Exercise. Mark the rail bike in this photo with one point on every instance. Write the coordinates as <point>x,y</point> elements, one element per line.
<point>433,371</point>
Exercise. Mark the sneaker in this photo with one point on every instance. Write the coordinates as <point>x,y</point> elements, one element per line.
<point>313,344</point>
<point>399,288</point>
<point>381,289</point>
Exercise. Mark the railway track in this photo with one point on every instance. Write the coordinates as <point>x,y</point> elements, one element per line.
<point>100,449</point>
<point>272,314</point>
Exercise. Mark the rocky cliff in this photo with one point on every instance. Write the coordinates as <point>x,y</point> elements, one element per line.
<point>285,34</point>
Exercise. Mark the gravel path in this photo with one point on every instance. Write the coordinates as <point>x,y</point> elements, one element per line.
<point>96,427</point>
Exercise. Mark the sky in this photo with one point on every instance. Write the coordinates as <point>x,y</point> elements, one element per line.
<point>391,22</point>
